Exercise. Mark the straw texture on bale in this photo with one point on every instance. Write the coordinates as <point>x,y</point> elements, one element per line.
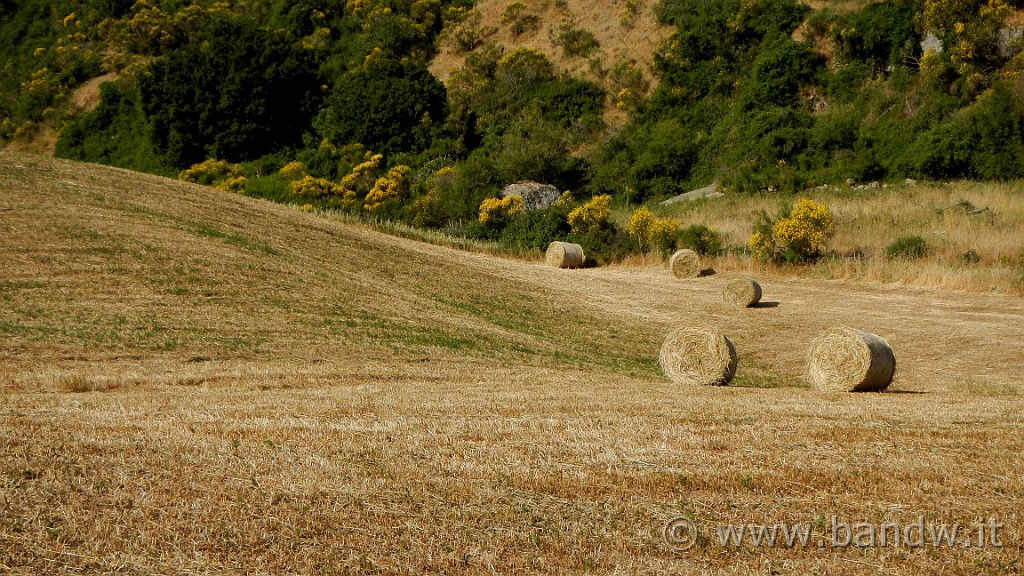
<point>845,359</point>
<point>698,356</point>
<point>564,255</point>
<point>741,292</point>
<point>685,264</point>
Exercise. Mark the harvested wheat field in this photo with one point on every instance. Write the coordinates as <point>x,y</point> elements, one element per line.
<point>196,382</point>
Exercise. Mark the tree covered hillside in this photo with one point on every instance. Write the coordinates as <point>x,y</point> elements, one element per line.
<point>330,104</point>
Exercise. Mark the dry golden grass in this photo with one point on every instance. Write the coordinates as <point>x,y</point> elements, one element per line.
<point>988,225</point>
<point>195,382</point>
<point>86,97</point>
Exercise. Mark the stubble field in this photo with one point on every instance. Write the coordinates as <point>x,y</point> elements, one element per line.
<point>195,382</point>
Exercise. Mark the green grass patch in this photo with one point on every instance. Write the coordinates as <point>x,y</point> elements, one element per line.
<point>234,239</point>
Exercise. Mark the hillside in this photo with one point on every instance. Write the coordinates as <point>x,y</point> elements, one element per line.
<point>152,266</point>
<point>195,381</point>
<point>625,35</point>
<point>637,99</point>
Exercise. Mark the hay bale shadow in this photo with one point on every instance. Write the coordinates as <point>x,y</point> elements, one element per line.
<point>765,305</point>
<point>706,272</point>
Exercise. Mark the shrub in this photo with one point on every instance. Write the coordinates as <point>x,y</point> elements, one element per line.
<point>880,34</point>
<point>602,245</point>
<point>312,187</point>
<point>701,239</point>
<point>391,186</point>
<point>804,232</point>
<point>663,234</point>
<point>426,210</point>
<point>535,230</point>
<point>640,226</point>
<point>652,233</point>
<point>971,256</point>
<point>794,235</point>
<point>592,215</point>
<point>907,247</point>
<point>465,34</point>
<point>522,69</point>
<point>762,246</point>
<point>217,174</point>
<point>500,209</point>
<point>664,156</point>
<point>573,40</point>
<point>273,188</point>
<point>629,13</point>
<point>292,170</point>
<point>518,19</point>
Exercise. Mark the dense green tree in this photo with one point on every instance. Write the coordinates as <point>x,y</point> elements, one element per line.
<point>240,92</point>
<point>116,133</point>
<point>389,107</point>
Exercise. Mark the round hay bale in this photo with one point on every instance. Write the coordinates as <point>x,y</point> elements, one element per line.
<point>564,255</point>
<point>685,264</point>
<point>741,292</point>
<point>698,357</point>
<point>845,359</point>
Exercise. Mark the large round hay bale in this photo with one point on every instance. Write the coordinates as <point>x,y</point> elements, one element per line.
<point>741,292</point>
<point>564,255</point>
<point>698,356</point>
<point>845,359</point>
<point>685,264</point>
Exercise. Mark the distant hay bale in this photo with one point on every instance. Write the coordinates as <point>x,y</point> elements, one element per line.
<point>564,255</point>
<point>698,357</point>
<point>742,292</point>
<point>685,264</point>
<point>845,359</point>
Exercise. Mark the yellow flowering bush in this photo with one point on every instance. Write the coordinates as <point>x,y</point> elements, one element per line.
<point>358,180</point>
<point>318,40</point>
<point>218,174</point>
<point>762,246</point>
<point>497,209</point>
<point>234,184</point>
<point>651,232</point>
<point>807,228</point>
<point>392,185</point>
<point>933,67</point>
<point>797,235</point>
<point>640,226</point>
<point>592,215</point>
<point>444,176</point>
<point>565,200</point>
<point>362,173</point>
<point>311,187</point>
<point>292,170</point>
<point>974,27</point>
<point>662,234</point>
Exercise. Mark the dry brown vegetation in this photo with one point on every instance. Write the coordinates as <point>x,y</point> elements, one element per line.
<point>196,382</point>
<point>619,41</point>
<point>626,30</point>
<point>972,231</point>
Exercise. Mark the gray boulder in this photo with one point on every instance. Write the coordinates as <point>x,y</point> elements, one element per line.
<point>536,196</point>
<point>710,191</point>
